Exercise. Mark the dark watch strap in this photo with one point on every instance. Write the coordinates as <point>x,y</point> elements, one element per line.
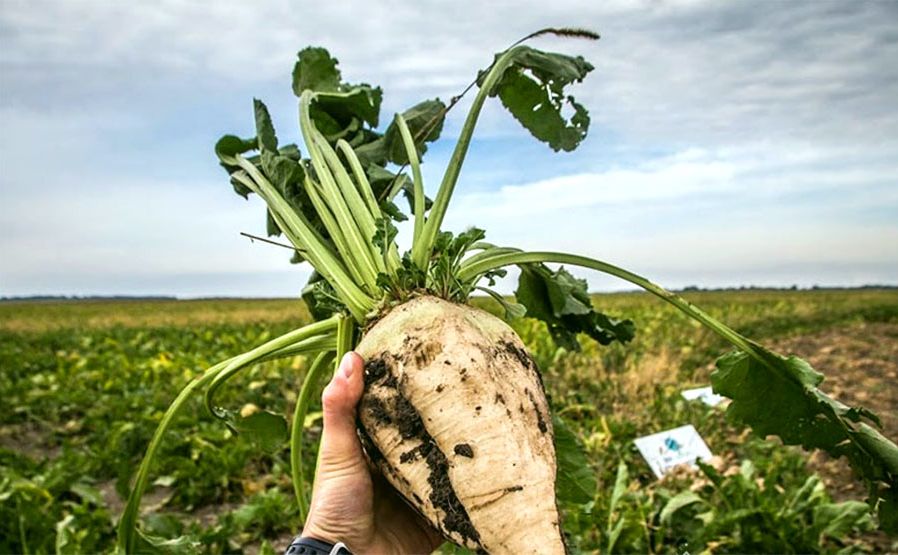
<point>311,546</point>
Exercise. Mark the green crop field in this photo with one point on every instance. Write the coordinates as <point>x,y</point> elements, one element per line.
<point>84,384</point>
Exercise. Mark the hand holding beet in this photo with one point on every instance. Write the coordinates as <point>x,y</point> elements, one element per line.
<point>350,505</point>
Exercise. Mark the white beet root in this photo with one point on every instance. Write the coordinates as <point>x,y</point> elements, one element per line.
<point>455,417</point>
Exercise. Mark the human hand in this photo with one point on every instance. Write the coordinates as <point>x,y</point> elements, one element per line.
<point>348,504</point>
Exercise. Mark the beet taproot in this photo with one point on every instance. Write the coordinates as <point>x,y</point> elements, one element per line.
<point>455,417</point>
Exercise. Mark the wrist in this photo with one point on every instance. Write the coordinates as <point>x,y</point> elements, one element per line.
<point>312,529</point>
<point>321,531</point>
<point>308,545</point>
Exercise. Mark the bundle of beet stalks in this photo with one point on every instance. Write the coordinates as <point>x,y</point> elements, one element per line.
<point>454,412</point>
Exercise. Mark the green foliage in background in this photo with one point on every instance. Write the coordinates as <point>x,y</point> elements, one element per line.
<point>84,385</point>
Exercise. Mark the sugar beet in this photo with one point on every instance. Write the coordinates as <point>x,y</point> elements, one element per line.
<point>455,416</point>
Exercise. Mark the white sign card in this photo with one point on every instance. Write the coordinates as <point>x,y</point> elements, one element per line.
<point>670,448</point>
<point>704,394</point>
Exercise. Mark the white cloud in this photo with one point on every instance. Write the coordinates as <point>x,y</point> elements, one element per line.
<point>663,179</point>
<point>126,229</point>
<point>752,215</point>
<point>748,172</point>
<point>681,71</point>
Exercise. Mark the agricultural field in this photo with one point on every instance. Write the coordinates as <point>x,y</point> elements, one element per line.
<point>84,385</point>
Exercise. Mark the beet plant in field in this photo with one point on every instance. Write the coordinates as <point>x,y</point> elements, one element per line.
<point>454,414</point>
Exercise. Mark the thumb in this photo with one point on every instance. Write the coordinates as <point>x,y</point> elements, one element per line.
<point>339,443</point>
<point>341,508</point>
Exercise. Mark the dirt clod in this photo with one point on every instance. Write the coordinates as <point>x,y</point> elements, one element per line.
<point>378,370</point>
<point>442,493</point>
<point>522,355</point>
<point>540,420</point>
<point>375,369</point>
<point>410,424</point>
<point>369,447</point>
<point>376,408</point>
<point>409,456</point>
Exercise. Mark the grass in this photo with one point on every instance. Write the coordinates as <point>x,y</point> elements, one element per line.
<point>85,383</point>
<point>30,317</point>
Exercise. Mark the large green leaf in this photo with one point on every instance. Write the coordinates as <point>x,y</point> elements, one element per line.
<point>424,121</point>
<point>613,531</point>
<point>563,303</point>
<point>283,168</point>
<point>339,110</point>
<point>888,509</point>
<point>532,89</point>
<point>372,154</point>
<point>837,520</point>
<point>264,128</point>
<point>269,430</point>
<point>677,502</point>
<point>287,176</point>
<point>340,115</point>
<point>575,481</point>
<point>225,149</point>
<point>284,173</point>
<point>315,70</point>
<point>230,145</point>
<point>148,544</point>
<point>778,395</point>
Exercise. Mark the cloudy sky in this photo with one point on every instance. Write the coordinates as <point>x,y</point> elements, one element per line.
<point>732,143</point>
